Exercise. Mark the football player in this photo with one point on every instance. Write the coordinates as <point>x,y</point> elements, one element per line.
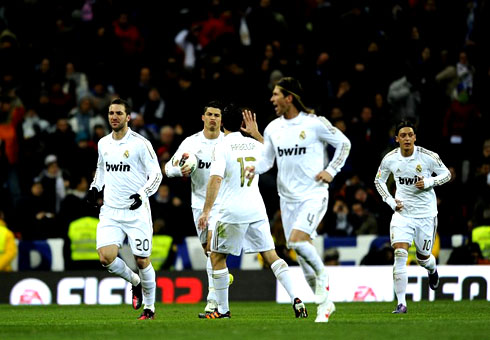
<point>414,205</point>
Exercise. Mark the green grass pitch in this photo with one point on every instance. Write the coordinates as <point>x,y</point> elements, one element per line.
<point>250,320</point>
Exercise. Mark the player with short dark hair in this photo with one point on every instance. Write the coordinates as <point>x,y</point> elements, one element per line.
<point>201,144</point>
<point>414,205</point>
<point>242,222</point>
<point>129,172</point>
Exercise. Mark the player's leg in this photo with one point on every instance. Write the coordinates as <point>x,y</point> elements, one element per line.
<point>205,238</point>
<point>110,238</point>
<point>402,235</point>
<point>424,241</point>
<point>115,265</point>
<point>281,271</point>
<point>221,280</point>
<point>139,230</point>
<point>148,285</point>
<point>227,239</point>
<point>308,272</point>
<point>258,239</point>
<point>300,221</point>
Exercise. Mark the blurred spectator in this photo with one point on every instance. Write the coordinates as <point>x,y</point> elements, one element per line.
<point>170,214</point>
<point>8,247</point>
<point>166,146</point>
<point>83,118</point>
<point>138,124</point>
<point>331,257</point>
<point>51,178</point>
<point>340,224</point>
<point>140,92</point>
<point>101,96</point>
<point>468,254</point>
<point>34,219</point>
<point>404,98</point>
<point>153,108</point>
<point>363,221</point>
<point>465,72</point>
<point>128,34</point>
<point>61,142</point>
<point>76,82</point>
<point>382,256</point>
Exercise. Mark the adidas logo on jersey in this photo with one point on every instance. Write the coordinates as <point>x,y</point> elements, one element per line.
<point>117,167</point>
<point>291,151</point>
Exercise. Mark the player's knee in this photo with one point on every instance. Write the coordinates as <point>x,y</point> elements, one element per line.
<point>106,259</point>
<point>400,265</point>
<point>400,253</point>
<point>142,262</point>
<point>270,257</point>
<point>422,260</point>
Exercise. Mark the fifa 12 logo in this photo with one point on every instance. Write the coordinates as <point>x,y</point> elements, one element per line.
<point>117,167</point>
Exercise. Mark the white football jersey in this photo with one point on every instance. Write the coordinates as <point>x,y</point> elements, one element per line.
<point>299,147</point>
<point>406,170</point>
<point>126,167</point>
<point>203,148</point>
<point>241,201</point>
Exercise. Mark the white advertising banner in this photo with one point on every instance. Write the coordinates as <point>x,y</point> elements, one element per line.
<point>375,283</point>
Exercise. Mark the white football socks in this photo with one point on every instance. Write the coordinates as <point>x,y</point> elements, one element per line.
<point>308,272</point>
<point>281,270</point>
<point>400,277</point>
<point>308,252</point>
<point>209,270</point>
<point>429,264</point>
<point>121,269</point>
<point>148,284</point>
<point>221,280</point>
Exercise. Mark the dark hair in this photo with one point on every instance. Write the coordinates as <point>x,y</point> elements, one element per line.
<point>214,103</point>
<point>119,101</point>
<point>403,124</point>
<point>291,86</point>
<point>232,117</point>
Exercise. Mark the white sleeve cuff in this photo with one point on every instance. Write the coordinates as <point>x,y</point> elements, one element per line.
<point>172,171</point>
<point>428,182</point>
<point>331,171</point>
<point>391,202</point>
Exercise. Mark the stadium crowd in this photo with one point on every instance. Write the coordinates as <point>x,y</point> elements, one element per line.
<point>363,64</point>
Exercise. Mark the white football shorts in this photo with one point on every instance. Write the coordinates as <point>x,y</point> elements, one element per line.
<point>231,238</point>
<point>304,215</point>
<point>213,219</point>
<point>115,224</point>
<point>422,231</point>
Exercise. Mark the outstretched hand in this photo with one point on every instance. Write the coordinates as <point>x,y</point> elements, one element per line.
<point>250,126</point>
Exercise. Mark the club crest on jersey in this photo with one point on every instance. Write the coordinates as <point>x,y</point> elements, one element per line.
<point>302,135</point>
<point>418,168</point>
<point>126,154</point>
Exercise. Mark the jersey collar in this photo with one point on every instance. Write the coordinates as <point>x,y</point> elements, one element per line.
<point>124,139</point>
<point>414,154</point>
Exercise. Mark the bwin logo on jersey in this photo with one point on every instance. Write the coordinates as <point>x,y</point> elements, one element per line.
<point>117,167</point>
<point>202,165</point>
<point>408,181</point>
<point>291,151</point>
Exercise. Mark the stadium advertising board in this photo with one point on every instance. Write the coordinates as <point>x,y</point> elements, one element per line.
<point>375,283</point>
<point>74,288</point>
